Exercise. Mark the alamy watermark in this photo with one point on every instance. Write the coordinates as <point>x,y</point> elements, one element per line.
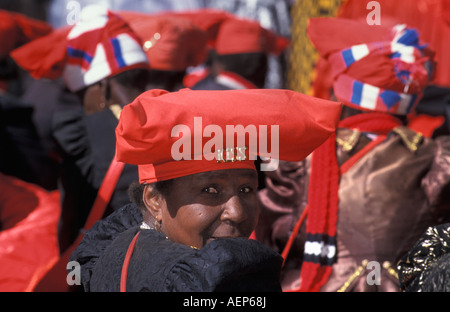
<point>74,275</point>
<point>73,12</point>
<point>213,148</point>
<point>374,16</point>
<point>373,272</point>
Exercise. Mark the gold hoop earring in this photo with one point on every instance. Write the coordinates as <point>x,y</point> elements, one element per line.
<point>157,226</point>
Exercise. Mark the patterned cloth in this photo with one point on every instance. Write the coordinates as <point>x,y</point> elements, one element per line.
<point>423,268</point>
<point>406,55</point>
<point>384,70</point>
<point>100,46</point>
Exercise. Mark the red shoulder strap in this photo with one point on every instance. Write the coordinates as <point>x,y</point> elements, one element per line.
<point>358,155</point>
<point>126,263</point>
<point>104,193</point>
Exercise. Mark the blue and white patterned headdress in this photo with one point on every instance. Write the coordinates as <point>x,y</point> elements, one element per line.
<point>385,75</point>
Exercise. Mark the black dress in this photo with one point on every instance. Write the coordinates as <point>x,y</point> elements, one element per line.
<point>426,266</point>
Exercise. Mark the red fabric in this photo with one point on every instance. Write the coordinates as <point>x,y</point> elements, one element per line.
<point>42,58</point>
<point>379,123</point>
<point>247,36</point>
<point>379,71</point>
<point>323,190</point>
<point>181,44</point>
<point>425,124</point>
<point>17,29</point>
<point>144,131</point>
<point>330,34</point>
<point>28,240</point>
<point>323,87</point>
<point>208,20</point>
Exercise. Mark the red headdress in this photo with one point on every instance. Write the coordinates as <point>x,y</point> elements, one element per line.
<point>171,42</point>
<point>174,134</point>
<point>247,36</point>
<point>17,29</point>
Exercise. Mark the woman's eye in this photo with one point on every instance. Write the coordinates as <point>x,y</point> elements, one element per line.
<point>210,190</point>
<point>246,189</point>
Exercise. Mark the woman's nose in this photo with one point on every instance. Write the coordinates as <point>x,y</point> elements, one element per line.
<point>234,210</point>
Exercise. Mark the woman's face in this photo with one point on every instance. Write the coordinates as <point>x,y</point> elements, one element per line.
<point>205,206</point>
<point>93,99</point>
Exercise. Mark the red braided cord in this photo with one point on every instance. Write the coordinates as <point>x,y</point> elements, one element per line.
<point>323,190</point>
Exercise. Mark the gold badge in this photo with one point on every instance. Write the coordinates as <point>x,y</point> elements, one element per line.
<point>232,154</point>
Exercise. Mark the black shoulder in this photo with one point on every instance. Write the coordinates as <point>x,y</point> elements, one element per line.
<point>101,236</point>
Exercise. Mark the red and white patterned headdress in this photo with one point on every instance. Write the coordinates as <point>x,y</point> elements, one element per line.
<point>100,45</point>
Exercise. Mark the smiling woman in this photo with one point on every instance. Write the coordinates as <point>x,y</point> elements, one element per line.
<point>204,206</point>
<point>182,216</point>
<point>189,225</point>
